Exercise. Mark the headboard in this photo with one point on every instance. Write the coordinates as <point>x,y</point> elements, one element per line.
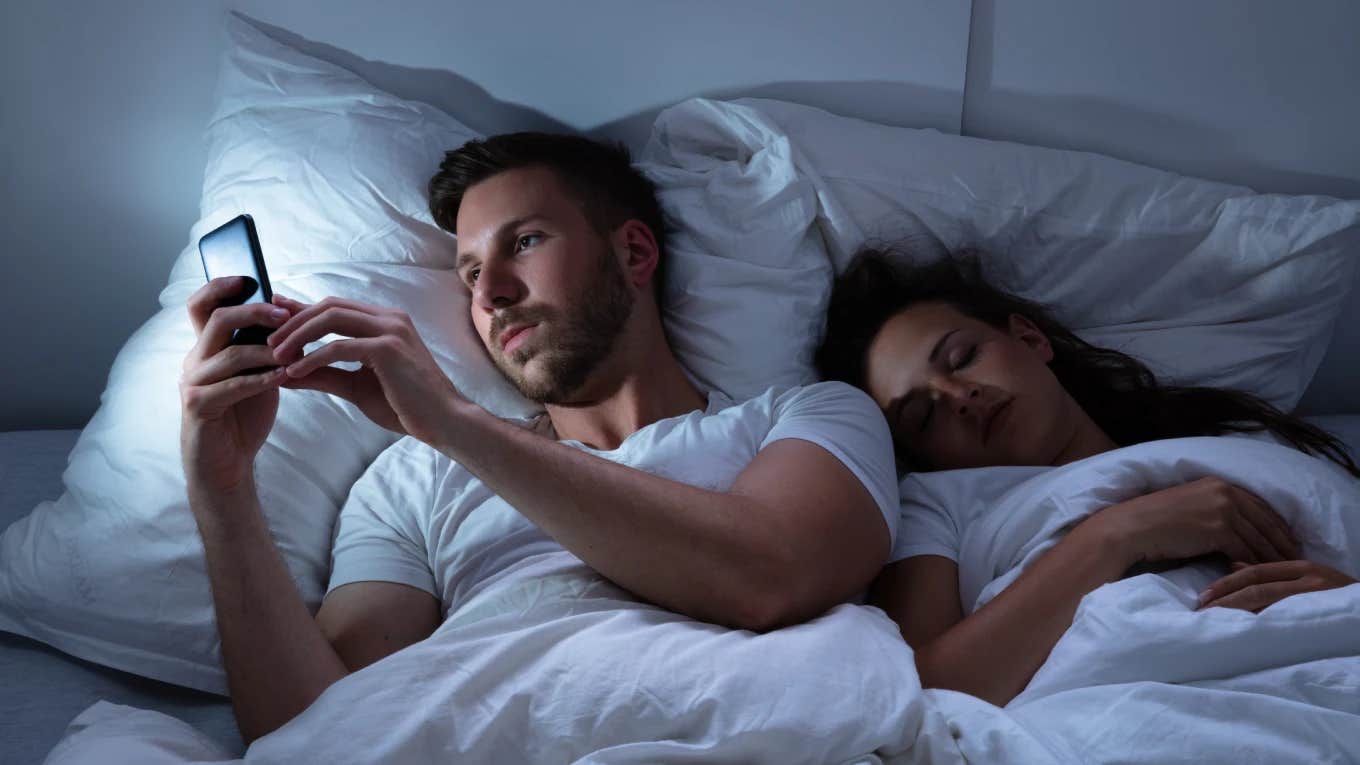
<point>107,117</point>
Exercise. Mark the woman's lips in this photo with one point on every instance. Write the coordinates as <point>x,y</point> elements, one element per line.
<point>517,338</point>
<point>996,420</point>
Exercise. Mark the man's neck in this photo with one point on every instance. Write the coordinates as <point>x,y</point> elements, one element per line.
<point>630,391</point>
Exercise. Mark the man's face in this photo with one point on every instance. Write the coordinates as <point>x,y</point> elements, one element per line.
<point>549,295</point>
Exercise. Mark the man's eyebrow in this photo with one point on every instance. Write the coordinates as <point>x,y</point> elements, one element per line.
<point>501,231</point>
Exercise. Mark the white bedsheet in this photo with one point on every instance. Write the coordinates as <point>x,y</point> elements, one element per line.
<point>1143,677</point>
<point>558,665</point>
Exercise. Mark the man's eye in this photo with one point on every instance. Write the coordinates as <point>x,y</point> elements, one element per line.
<point>472,275</point>
<point>528,240</point>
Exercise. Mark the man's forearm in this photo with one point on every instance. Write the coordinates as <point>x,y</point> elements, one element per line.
<point>277,659</point>
<point>694,551</point>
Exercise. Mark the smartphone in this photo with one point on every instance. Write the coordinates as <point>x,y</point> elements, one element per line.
<point>233,249</point>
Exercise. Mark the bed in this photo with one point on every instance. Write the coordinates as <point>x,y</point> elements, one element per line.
<point>46,688</point>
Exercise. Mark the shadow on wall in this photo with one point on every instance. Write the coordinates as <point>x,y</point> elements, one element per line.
<point>1174,143</point>
<point>469,103</point>
<point>1107,126</point>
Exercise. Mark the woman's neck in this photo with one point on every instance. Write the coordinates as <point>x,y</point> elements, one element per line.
<point>1087,440</point>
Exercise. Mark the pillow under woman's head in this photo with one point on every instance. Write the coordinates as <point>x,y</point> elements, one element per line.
<point>1206,283</point>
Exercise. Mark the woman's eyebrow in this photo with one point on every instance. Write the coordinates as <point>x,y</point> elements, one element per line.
<point>940,344</point>
<point>896,406</point>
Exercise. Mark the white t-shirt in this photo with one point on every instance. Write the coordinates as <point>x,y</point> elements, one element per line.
<point>938,505</point>
<point>418,518</point>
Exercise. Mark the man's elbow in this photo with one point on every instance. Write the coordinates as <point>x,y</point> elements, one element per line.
<point>257,723</point>
<point>776,598</point>
<point>760,613</point>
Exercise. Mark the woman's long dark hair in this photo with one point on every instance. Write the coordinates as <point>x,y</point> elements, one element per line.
<point>1118,392</point>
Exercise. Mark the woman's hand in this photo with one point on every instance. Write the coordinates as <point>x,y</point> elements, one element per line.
<point>226,416</point>
<point>399,386</point>
<point>1252,588</point>
<point>1199,518</point>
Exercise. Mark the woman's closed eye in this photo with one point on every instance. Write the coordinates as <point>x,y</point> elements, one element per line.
<point>963,360</point>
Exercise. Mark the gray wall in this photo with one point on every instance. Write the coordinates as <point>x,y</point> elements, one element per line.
<point>107,102</point>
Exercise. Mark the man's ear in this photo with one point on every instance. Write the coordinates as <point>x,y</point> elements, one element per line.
<point>1027,332</point>
<point>640,252</point>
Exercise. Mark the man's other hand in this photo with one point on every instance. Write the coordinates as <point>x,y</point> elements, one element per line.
<point>399,385</point>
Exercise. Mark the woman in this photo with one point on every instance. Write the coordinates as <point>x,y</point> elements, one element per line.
<point>970,376</point>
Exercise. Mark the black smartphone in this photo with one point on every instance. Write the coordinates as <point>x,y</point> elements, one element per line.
<point>233,249</point>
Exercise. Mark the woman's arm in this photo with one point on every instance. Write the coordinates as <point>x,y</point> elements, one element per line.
<point>993,653</point>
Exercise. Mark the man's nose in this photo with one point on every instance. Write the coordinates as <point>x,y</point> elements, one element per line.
<point>497,287</point>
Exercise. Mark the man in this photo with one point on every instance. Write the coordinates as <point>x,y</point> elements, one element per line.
<point>776,509</point>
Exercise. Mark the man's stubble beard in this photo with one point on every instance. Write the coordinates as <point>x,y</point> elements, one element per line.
<point>582,337</point>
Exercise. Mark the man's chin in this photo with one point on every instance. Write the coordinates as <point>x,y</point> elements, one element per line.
<point>529,379</point>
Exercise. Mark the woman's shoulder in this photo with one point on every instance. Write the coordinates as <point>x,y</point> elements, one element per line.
<point>965,488</point>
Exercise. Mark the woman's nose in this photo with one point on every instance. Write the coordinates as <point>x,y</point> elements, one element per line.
<point>961,396</point>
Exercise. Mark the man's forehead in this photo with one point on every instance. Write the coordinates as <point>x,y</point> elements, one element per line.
<point>519,194</point>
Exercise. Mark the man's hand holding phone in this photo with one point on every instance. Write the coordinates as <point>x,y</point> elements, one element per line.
<point>227,415</point>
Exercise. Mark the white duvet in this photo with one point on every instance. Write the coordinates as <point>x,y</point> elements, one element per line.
<point>557,665</point>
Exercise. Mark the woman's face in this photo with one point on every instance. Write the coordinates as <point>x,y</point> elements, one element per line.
<point>960,393</point>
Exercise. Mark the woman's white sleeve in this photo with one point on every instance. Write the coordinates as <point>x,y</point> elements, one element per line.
<point>925,524</point>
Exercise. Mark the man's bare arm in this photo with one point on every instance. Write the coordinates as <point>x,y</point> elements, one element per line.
<point>368,621</point>
<point>276,658</point>
<point>796,534</point>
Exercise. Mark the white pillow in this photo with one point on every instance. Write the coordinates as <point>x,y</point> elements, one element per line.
<point>747,279</point>
<point>334,172</point>
<point>1210,284</point>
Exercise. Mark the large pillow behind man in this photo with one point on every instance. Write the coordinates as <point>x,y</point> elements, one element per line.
<point>334,173</point>
<point>747,278</point>
<point>1210,284</point>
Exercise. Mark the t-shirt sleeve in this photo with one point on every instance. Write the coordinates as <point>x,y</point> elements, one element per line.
<point>847,423</point>
<point>925,525</point>
<point>380,532</point>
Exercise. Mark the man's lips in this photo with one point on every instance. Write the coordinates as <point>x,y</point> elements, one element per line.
<point>994,418</point>
<point>508,337</point>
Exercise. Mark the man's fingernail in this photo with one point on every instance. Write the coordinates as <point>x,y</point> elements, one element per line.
<point>278,313</point>
<point>1203,598</point>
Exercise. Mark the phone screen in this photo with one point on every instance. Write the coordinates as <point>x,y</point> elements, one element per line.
<point>233,249</point>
